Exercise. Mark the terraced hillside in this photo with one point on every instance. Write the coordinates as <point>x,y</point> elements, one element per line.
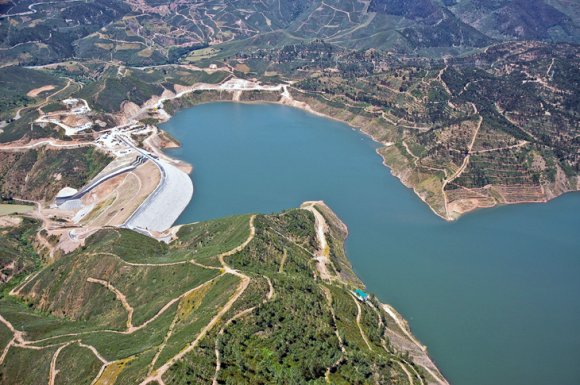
<point>248,299</point>
<point>496,127</point>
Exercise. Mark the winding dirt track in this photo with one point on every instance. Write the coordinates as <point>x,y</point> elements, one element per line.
<point>358,318</point>
<point>157,376</point>
<point>238,315</point>
<point>407,373</point>
<point>342,358</point>
<point>321,256</point>
<point>464,164</point>
<point>120,296</point>
<point>389,310</point>
<point>53,370</point>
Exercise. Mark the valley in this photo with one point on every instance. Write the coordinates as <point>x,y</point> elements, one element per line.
<point>135,244</point>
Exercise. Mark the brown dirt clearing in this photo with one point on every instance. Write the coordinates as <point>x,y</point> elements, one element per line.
<point>37,91</point>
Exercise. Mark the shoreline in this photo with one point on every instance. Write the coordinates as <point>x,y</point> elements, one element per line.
<point>308,109</point>
<point>404,341</point>
<point>328,223</point>
<point>286,99</point>
<point>232,90</point>
<point>156,145</point>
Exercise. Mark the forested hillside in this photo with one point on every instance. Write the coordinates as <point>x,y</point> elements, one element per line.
<point>235,300</point>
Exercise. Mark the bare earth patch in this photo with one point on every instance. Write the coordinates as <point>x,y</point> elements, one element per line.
<point>14,209</point>
<point>10,221</point>
<point>37,91</point>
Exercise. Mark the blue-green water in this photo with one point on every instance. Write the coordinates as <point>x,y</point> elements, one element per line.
<point>495,295</point>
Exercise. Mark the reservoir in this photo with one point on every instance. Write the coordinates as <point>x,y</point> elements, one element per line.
<point>494,295</point>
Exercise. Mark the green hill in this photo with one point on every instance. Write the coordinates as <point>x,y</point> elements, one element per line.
<point>242,300</point>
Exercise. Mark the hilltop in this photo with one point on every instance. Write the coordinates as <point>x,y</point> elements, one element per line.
<point>251,299</point>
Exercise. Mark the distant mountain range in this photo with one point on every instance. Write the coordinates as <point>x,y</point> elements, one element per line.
<point>161,31</point>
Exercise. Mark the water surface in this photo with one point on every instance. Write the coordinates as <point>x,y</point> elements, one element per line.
<point>495,295</point>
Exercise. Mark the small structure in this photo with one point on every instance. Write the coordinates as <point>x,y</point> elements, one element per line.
<point>361,295</point>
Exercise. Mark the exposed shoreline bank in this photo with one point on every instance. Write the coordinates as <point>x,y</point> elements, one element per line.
<point>284,97</point>
<point>328,224</point>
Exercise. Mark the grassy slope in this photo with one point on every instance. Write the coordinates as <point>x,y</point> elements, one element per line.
<point>290,335</point>
<point>14,90</point>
